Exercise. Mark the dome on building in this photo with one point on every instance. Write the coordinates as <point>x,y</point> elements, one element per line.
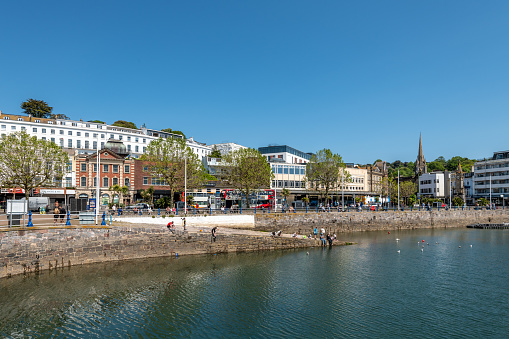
<point>116,146</point>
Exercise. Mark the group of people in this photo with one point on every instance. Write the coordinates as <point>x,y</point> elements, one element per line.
<point>58,211</point>
<point>325,238</point>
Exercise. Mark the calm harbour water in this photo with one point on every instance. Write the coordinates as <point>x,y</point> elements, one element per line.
<point>364,290</point>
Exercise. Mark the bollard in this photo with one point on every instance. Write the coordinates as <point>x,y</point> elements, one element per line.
<point>255,209</point>
<point>419,208</point>
<point>348,208</point>
<point>438,208</point>
<point>225,210</point>
<point>194,210</point>
<point>210,210</point>
<point>240,210</point>
<point>111,220</point>
<point>377,208</point>
<point>159,211</point>
<point>177,211</point>
<point>103,223</point>
<point>68,222</point>
<point>306,208</point>
<point>118,211</point>
<point>140,211</point>
<point>316,208</point>
<point>30,224</point>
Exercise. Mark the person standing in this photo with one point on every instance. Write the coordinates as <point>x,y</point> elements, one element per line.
<point>315,231</point>
<point>214,230</point>
<point>56,212</point>
<point>62,214</point>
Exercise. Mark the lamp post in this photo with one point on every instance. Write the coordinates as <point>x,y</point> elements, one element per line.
<point>97,182</point>
<point>185,185</point>
<point>398,190</point>
<point>490,190</point>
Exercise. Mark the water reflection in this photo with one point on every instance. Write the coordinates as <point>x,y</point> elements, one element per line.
<point>364,290</point>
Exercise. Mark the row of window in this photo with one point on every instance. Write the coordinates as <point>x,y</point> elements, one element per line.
<point>430,190</point>
<point>106,168</point>
<point>77,133</point>
<point>105,182</point>
<point>280,169</point>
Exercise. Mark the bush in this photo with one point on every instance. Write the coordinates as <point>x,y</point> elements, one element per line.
<point>163,216</point>
<point>153,216</point>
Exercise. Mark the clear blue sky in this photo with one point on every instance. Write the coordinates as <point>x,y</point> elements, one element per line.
<point>362,78</point>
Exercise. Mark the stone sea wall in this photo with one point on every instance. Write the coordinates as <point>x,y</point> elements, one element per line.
<point>34,250</point>
<point>376,221</point>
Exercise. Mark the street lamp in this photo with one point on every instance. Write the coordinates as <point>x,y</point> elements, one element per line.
<point>97,182</point>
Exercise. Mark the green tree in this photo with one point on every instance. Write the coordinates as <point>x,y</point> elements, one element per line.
<point>457,201</point>
<point>121,191</point>
<point>166,158</point>
<point>285,193</point>
<point>483,202</point>
<point>246,170</point>
<point>148,195</point>
<point>305,200</point>
<point>163,202</point>
<point>28,162</point>
<point>125,124</point>
<point>97,121</point>
<point>215,153</point>
<point>406,190</point>
<point>323,170</point>
<point>37,108</point>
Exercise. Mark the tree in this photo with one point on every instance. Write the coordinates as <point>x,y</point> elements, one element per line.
<point>166,160</point>
<point>215,153</point>
<point>323,170</point>
<point>97,121</point>
<point>483,202</point>
<point>407,189</point>
<point>163,202</point>
<point>28,163</point>
<point>247,170</point>
<point>37,108</point>
<point>148,195</point>
<point>285,193</point>
<point>125,124</point>
<point>457,201</point>
<point>120,190</point>
<point>305,200</point>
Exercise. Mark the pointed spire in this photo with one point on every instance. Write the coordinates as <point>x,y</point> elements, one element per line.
<point>459,170</point>
<point>420,163</point>
<point>420,155</point>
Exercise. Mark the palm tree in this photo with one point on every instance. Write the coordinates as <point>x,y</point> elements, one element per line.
<point>120,190</point>
<point>285,193</point>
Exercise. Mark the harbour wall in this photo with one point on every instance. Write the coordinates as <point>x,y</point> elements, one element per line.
<point>376,221</point>
<point>52,249</point>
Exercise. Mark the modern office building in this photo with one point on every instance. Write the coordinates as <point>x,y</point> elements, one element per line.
<point>288,154</point>
<point>432,185</point>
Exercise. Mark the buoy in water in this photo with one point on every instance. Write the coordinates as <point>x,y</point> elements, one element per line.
<point>423,240</point>
<point>399,251</point>
<point>389,232</point>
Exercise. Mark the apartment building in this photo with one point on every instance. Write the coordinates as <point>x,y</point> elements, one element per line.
<point>227,147</point>
<point>432,185</point>
<point>491,178</point>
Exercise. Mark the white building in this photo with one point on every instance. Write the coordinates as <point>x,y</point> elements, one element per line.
<point>81,135</point>
<point>227,147</point>
<point>491,178</point>
<point>432,185</point>
<point>288,154</point>
<point>200,149</point>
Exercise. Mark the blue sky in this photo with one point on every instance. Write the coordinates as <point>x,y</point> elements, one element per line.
<point>362,78</point>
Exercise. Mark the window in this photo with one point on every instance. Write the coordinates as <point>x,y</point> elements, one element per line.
<point>23,128</point>
<point>119,137</point>
<point>83,167</point>
<point>52,139</point>
<point>128,138</point>
<point>95,167</point>
<point>87,135</point>
<point>43,138</point>
<point>37,120</point>
<point>105,182</point>
<point>115,168</point>
<point>78,134</point>
<point>129,148</point>
<point>6,118</point>
<point>87,144</point>
<point>20,119</point>
<point>78,143</point>
<point>114,181</point>
<point>144,149</point>
<point>145,168</point>
<point>75,124</point>
<point>13,128</point>
<point>69,143</point>
<point>69,132</point>
<point>83,181</point>
<point>102,145</point>
<point>95,181</point>
<point>34,129</point>
<point>144,140</point>
<point>145,180</point>
<point>62,131</point>
<point>95,145</point>
<point>126,168</point>
<point>4,127</point>
<point>126,182</point>
<point>43,130</point>
<point>95,135</point>
<point>136,149</point>
<point>112,136</point>
<point>102,136</point>
<point>106,168</point>
<point>136,139</point>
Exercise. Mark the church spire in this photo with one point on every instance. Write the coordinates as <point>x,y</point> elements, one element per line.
<point>420,163</point>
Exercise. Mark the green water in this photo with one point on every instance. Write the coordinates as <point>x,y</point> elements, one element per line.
<point>364,290</point>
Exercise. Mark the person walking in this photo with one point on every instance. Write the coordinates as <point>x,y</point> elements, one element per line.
<point>214,230</point>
